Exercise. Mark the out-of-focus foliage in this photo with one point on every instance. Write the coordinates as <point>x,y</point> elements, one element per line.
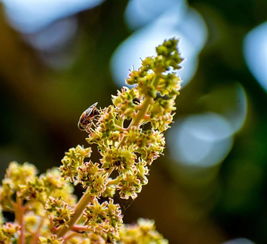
<point>211,186</point>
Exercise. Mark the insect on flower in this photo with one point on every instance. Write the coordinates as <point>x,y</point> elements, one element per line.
<point>88,118</point>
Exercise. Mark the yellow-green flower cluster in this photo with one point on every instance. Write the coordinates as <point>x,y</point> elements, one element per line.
<point>129,133</point>
<point>8,233</point>
<point>143,232</point>
<point>50,239</point>
<point>26,194</point>
<point>59,212</point>
<point>103,219</point>
<point>13,185</point>
<point>93,177</point>
<point>73,159</point>
<point>21,181</point>
<point>128,136</point>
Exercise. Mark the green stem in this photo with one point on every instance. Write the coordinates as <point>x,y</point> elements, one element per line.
<point>136,121</point>
<point>81,205</point>
<point>140,115</point>
<point>113,181</point>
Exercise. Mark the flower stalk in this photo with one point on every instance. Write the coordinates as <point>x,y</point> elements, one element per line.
<point>20,210</point>
<point>81,205</point>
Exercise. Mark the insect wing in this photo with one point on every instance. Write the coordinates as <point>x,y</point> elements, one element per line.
<point>86,117</point>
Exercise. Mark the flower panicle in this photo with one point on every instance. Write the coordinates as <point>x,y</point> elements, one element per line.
<point>128,136</point>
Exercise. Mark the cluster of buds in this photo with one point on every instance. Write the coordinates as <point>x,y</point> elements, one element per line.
<point>143,232</point>
<point>128,136</point>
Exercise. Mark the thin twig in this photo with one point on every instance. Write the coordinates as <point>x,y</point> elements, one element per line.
<point>80,228</point>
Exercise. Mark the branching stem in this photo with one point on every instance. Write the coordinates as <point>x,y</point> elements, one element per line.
<point>80,228</point>
<point>142,112</point>
<point>81,205</point>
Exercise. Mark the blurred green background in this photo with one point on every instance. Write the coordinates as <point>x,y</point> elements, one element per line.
<point>59,57</point>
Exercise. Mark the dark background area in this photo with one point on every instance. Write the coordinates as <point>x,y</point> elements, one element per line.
<point>211,184</point>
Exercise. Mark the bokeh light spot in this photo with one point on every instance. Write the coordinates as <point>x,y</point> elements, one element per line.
<point>200,140</point>
<point>55,36</point>
<point>255,51</point>
<point>237,112</point>
<point>239,241</point>
<point>54,43</point>
<point>30,15</point>
<point>141,12</point>
<point>230,101</point>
